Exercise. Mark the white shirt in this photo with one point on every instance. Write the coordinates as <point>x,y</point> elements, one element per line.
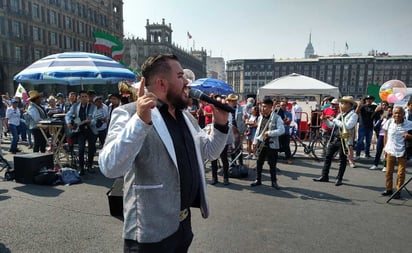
<point>297,111</point>
<point>395,142</point>
<point>102,113</point>
<point>13,114</point>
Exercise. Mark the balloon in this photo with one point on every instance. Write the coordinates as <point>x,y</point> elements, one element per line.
<point>392,90</point>
<point>392,99</point>
<point>399,96</point>
<point>383,95</point>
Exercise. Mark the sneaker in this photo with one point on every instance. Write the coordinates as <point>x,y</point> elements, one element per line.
<point>248,156</point>
<point>352,165</point>
<point>374,167</point>
<point>384,169</point>
<point>368,156</point>
<point>254,157</point>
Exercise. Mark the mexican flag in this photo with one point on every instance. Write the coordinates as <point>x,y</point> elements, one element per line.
<point>108,44</point>
<point>21,93</point>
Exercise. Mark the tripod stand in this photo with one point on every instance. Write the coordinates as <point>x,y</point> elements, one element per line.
<point>399,190</point>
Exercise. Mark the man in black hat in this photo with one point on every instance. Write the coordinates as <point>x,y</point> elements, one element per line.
<point>365,110</point>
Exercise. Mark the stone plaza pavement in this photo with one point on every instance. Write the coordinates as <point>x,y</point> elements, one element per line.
<point>304,216</point>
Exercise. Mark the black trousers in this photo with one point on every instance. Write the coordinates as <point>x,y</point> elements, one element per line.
<point>225,164</point>
<point>271,155</point>
<point>284,142</point>
<point>39,141</point>
<point>335,146</point>
<point>178,242</point>
<point>82,137</point>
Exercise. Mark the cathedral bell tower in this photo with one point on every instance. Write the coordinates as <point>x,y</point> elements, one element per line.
<point>159,33</point>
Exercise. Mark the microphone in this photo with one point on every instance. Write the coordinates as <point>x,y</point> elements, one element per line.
<point>197,94</point>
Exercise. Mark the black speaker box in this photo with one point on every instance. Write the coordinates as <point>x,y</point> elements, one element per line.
<point>115,196</point>
<point>27,166</point>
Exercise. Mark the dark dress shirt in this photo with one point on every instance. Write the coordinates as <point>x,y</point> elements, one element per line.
<point>185,154</point>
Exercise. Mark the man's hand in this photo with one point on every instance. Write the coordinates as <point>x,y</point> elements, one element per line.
<point>145,103</point>
<point>221,117</point>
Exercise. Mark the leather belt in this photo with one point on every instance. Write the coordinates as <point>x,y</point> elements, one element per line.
<point>183,214</point>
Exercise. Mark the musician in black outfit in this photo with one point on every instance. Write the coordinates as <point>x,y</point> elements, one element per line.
<point>80,122</point>
<point>270,127</point>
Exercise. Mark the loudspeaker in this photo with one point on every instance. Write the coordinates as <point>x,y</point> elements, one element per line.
<point>115,196</point>
<point>27,166</point>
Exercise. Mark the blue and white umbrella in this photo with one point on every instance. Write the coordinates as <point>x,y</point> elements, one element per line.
<point>212,85</point>
<point>75,68</point>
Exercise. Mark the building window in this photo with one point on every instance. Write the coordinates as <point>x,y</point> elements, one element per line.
<point>68,42</point>
<point>36,33</point>
<point>81,28</point>
<point>2,30</point>
<point>53,18</point>
<point>37,54</point>
<point>18,54</point>
<point>53,38</point>
<point>15,5</point>
<point>82,46</point>
<point>35,11</point>
<point>16,29</point>
<point>68,22</point>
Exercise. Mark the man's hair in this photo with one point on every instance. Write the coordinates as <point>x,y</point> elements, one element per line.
<point>155,65</point>
<point>83,92</point>
<point>267,101</point>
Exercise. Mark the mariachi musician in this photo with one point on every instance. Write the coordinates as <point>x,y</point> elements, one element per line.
<point>342,132</point>
<point>266,142</point>
<point>82,126</point>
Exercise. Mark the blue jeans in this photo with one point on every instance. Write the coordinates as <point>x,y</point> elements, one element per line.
<point>15,137</point>
<point>23,130</point>
<point>379,149</point>
<point>364,133</point>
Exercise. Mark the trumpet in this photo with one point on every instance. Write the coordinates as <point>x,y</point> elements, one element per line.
<point>344,134</point>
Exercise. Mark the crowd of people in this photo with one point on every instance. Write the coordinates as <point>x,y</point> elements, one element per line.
<point>159,143</point>
<point>85,116</point>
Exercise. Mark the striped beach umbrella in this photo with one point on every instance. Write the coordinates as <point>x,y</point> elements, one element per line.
<point>75,68</point>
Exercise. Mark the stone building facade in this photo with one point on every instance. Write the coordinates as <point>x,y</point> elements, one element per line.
<point>159,40</point>
<point>352,74</point>
<point>30,30</point>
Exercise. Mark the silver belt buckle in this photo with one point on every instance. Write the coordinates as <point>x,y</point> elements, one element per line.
<point>183,214</point>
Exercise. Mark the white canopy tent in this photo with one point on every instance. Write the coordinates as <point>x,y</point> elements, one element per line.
<point>294,85</point>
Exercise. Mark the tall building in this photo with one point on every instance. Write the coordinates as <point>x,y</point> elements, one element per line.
<point>352,74</point>
<point>309,51</point>
<point>30,30</point>
<point>246,76</point>
<point>216,67</point>
<point>159,40</point>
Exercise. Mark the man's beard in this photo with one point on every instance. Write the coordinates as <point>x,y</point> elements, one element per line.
<point>177,101</point>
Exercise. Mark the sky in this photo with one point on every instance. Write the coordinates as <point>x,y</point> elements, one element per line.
<point>240,29</point>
